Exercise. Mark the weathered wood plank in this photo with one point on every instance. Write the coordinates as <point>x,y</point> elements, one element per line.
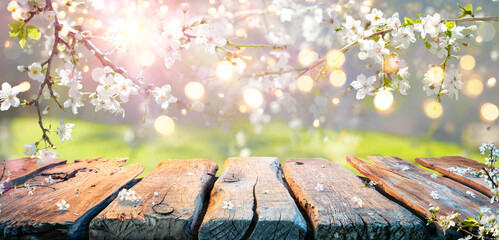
<point>22,169</point>
<point>331,211</point>
<point>459,169</point>
<point>181,186</point>
<point>413,186</point>
<point>85,185</point>
<point>260,205</point>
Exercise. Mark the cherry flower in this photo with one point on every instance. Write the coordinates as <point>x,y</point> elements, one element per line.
<point>356,202</point>
<point>64,131</point>
<point>286,14</point>
<point>75,97</point>
<point>364,86</point>
<point>125,86</point>
<point>404,36</point>
<point>404,84</point>
<point>228,205</point>
<point>68,75</point>
<point>330,20</point>
<point>35,72</point>
<point>163,96</point>
<point>50,16</point>
<point>372,49</point>
<point>8,96</point>
<point>45,157</point>
<point>171,52</point>
<point>319,108</point>
<point>210,38</point>
<point>62,206</point>
<point>376,17</point>
<point>30,149</point>
<point>430,25</point>
<point>128,195</point>
<point>319,187</point>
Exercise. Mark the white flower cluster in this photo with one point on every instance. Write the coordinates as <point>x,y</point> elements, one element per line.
<point>439,37</point>
<point>460,171</point>
<point>489,226</point>
<point>128,195</point>
<point>397,36</point>
<point>446,222</point>
<point>112,85</point>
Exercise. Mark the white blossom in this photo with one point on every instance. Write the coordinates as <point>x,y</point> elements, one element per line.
<point>163,96</point>
<point>30,149</point>
<point>430,25</point>
<point>35,72</point>
<point>210,38</point>
<point>8,96</point>
<point>62,206</point>
<point>228,205</point>
<point>371,49</point>
<point>319,187</point>
<point>64,131</point>
<point>363,86</point>
<point>45,156</point>
<point>356,202</point>
<point>376,17</point>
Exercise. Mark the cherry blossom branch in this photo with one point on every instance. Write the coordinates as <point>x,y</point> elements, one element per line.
<point>473,19</point>
<point>238,45</point>
<point>351,45</point>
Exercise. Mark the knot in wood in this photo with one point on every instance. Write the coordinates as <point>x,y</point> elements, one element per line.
<point>163,209</point>
<point>231,179</point>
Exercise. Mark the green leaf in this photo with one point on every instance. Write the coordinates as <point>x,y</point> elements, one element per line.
<point>448,33</point>
<point>15,28</point>
<point>408,21</point>
<point>33,32</point>
<point>450,25</point>
<point>427,44</point>
<point>466,11</point>
<point>23,37</point>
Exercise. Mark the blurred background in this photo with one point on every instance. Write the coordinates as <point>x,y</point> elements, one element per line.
<point>408,127</point>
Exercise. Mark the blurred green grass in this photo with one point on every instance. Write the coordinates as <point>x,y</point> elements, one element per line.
<point>91,139</point>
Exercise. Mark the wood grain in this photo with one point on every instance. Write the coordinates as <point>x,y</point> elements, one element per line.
<point>181,186</point>
<point>262,206</point>
<point>444,166</point>
<point>86,185</point>
<point>331,211</point>
<point>412,186</point>
<point>22,169</point>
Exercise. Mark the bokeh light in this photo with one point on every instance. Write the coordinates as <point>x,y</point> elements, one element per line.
<point>147,58</point>
<point>467,62</point>
<point>224,70</point>
<point>164,125</point>
<point>383,100</point>
<point>486,31</point>
<point>335,58</point>
<point>305,83</point>
<point>435,74</point>
<point>433,109</point>
<point>253,97</point>
<point>337,78</point>
<point>489,112</point>
<point>335,101</point>
<point>473,88</point>
<point>194,90</point>
<point>317,123</point>
<point>24,86</point>
<point>307,57</point>
<point>491,82</point>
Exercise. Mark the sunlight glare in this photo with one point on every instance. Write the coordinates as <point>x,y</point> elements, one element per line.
<point>489,112</point>
<point>164,125</point>
<point>194,90</point>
